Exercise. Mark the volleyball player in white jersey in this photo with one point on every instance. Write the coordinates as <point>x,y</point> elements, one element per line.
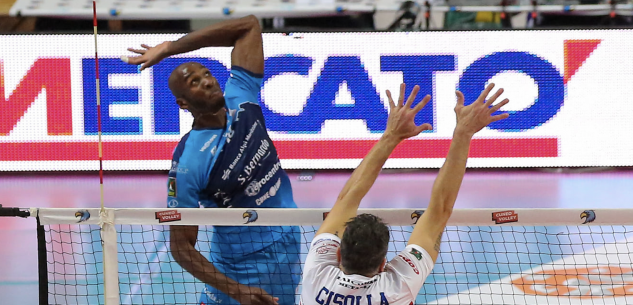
<point>346,264</point>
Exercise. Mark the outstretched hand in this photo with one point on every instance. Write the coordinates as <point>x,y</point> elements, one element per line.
<point>149,55</point>
<point>401,121</point>
<point>476,116</point>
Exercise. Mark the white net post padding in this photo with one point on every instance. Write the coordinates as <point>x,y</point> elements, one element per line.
<point>488,256</point>
<point>110,257</point>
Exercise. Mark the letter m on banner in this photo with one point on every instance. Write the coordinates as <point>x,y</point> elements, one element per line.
<point>50,74</point>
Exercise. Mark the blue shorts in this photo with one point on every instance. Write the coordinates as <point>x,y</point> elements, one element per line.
<point>275,269</point>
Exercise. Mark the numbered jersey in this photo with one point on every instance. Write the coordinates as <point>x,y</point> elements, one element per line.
<point>236,166</point>
<point>324,283</point>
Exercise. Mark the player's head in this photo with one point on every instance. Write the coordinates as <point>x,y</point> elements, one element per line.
<point>195,89</point>
<point>364,245</point>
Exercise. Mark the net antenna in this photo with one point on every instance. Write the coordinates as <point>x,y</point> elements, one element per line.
<point>94,22</point>
<point>106,218</point>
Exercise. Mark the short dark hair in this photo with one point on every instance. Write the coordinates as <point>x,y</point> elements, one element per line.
<point>364,244</point>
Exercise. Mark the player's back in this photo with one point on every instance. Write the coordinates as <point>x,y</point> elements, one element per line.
<point>325,283</point>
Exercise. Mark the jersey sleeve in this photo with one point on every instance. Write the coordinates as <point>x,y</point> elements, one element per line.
<point>322,252</point>
<point>412,266</point>
<point>181,193</point>
<point>243,86</point>
<point>182,190</point>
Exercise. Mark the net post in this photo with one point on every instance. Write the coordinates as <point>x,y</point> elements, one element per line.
<point>42,263</point>
<point>14,212</point>
<point>110,257</point>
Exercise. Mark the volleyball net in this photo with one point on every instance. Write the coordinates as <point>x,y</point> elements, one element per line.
<point>520,256</point>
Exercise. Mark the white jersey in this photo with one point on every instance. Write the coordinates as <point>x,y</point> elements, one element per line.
<point>325,284</point>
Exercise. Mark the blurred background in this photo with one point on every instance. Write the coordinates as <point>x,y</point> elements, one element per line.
<point>312,15</point>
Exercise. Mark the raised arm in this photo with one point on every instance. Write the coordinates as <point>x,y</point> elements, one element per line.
<point>400,125</point>
<point>470,119</point>
<point>244,34</point>
<point>182,245</point>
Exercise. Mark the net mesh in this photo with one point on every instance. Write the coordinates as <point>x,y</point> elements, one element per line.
<point>74,264</point>
<point>476,265</point>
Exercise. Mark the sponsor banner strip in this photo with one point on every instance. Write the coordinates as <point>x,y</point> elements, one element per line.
<point>312,217</point>
<point>335,149</point>
<point>419,148</point>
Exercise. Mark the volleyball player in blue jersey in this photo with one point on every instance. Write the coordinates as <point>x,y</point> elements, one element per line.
<point>228,160</point>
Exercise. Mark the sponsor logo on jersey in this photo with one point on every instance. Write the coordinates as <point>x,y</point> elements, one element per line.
<point>83,215</point>
<point>229,135</point>
<point>505,217</point>
<point>172,203</point>
<point>174,167</point>
<point>415,269</point>
<point>261,154</point>
<point>255,186</point>
<point>416,215</point>
<point>271,193</point>
<point>416,253</point>
<point>171,187</point>
<point>168,216</point>
<point>208,143</point>
<point>212,297</point>
<point>226,174</point>
<point>223,196</point>
<point>241,152</point>
<point>588,215</point>
<point>250,216</point>
<point>323,249</point>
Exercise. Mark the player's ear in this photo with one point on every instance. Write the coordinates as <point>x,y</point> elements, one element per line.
<point>338,255</point>
<point>182,103</point>
<point>382,266</point>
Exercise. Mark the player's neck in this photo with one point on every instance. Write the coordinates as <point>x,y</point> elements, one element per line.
<point>369,275</point>
<point>210,120</point>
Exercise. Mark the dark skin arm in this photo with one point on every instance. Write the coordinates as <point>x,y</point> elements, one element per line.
<point>243,34</point>
<point>183,240</point>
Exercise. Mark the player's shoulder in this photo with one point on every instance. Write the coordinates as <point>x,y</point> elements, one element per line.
<point>326,239</point>
<point>199,142</point>
<point>413,257</point>
<point>180,148</point>
<point>243,84</point>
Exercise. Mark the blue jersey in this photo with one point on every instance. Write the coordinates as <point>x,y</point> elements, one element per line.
<point>236,166</point>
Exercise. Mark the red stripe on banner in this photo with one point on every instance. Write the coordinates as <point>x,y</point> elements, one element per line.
<point>82,151</point>
<point>419,148</point>
<point>334,149</point>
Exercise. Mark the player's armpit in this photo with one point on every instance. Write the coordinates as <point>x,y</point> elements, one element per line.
<point>411,267</point>
<point>248,52</point>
